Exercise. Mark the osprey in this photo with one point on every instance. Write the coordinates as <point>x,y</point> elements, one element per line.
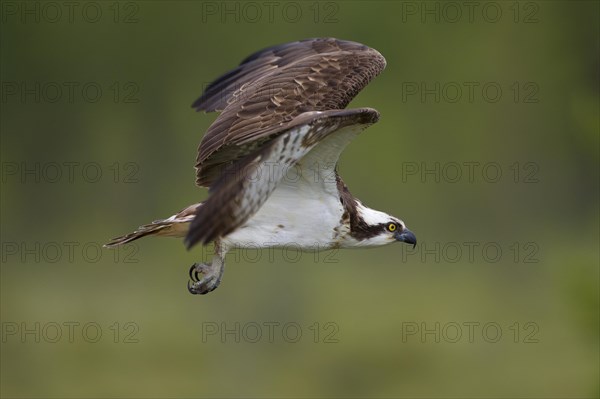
<point>270,158</point>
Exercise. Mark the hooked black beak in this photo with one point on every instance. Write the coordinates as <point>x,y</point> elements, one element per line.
<point>407,236</point>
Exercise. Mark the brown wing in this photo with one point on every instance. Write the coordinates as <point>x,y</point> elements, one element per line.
<point>272,87</point>
<point>243,188</point>
<point>258,65</point>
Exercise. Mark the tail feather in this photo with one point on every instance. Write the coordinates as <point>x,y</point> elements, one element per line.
<point>142,231</point>
<point>175,226</point>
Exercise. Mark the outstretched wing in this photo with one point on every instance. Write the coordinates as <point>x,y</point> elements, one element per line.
<point>261,97</point>
<point>246,185</point>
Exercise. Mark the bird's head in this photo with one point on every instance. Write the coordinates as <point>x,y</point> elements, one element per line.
<point>376,228</point>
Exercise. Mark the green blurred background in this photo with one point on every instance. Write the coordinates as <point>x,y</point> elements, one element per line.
<point>151,59</point>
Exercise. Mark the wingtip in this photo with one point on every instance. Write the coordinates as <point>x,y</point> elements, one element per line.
<point>197,105</point>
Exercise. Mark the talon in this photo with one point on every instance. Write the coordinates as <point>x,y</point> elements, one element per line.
<point>191,289</point>
<point>194,273</point>
<point>203,278</point>
<point>201,287</point>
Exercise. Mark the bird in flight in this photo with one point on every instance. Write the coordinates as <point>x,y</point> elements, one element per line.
<point>270,158</point>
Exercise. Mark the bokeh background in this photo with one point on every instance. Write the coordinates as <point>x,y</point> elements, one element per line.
<point>82,166</point>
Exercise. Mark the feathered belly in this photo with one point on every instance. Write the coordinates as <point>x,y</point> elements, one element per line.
<point>292,218</point>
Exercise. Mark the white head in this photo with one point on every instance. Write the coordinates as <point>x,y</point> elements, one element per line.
<point>375,228</point>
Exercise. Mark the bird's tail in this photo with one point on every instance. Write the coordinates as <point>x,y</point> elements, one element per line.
<point>175,226</point>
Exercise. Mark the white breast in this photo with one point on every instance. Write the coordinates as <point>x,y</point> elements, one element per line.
<point>297,214</point>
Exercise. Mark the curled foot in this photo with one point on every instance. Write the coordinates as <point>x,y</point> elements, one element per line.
<point>204,278</point>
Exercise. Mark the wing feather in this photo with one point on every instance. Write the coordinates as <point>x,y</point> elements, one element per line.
<point>262,97</point>
<point>263,63</point>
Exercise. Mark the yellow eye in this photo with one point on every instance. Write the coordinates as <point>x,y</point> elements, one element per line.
<point>392,227</point>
